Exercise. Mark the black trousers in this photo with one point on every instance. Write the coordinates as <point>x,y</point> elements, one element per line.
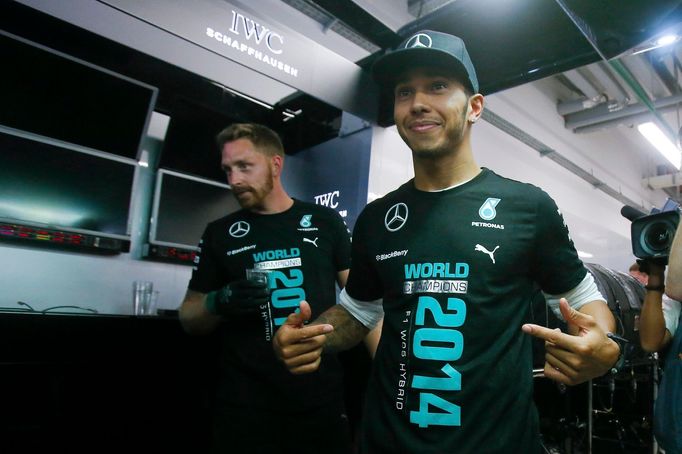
<point>245,430</point>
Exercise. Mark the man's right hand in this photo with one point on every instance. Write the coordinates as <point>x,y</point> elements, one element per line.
<point>242,297</point>
<point>300,346</point>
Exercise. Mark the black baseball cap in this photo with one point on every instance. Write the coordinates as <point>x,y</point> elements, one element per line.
<point>427,48</point>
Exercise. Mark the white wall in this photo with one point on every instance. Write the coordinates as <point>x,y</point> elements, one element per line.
<point>593,217</point>
<point>45,278</point>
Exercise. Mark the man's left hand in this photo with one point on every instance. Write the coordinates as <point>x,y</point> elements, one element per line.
<point>573,359</point>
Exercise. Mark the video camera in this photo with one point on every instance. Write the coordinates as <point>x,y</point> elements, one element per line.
<point>652,235</point>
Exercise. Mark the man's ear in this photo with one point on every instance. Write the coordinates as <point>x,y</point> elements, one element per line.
<point>475,107</point>
<point>277,163</point>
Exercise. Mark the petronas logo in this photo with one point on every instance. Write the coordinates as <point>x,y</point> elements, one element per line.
<point>305,221</point>
<point>487,211</point>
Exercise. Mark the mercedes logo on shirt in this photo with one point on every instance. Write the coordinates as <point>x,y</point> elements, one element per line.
<point>239,229</point>
<point>396,217</point>
<point>419,40</point>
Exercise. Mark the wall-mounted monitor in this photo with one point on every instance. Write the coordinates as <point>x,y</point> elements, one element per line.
<point>45,183</point>
<point>184,205</point>
<point>190,143</point>
<point>49,93</point>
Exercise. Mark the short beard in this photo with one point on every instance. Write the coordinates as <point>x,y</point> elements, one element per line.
<point>430,153</point>
<point>259,195</point>
<point>435,153</point>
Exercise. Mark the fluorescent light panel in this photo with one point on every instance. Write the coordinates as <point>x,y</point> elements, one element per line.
<point>663,144</point>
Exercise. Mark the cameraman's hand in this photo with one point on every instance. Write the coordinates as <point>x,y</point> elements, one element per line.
<point>655,268</point>
<point>239,298</point>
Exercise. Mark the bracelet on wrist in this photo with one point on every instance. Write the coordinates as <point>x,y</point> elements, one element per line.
<point>655,288</point>
<point>210,302</point>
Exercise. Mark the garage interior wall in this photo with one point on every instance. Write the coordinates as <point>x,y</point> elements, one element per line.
<point>592,216</point>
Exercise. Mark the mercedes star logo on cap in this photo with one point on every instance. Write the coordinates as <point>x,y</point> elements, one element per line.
<point>396,217</point>
<point>239,229</point>
<point>419,40</point>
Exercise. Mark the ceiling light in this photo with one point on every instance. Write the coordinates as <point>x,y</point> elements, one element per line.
<point>585,255</point>
<point>663,144</point>
<point>242,95</point>
<point>666,40</point>
<point>144,159</point>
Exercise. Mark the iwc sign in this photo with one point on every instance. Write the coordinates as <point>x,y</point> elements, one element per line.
<point>255,40</point>
<point>231,30</point>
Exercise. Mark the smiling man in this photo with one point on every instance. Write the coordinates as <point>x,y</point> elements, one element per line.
<point>305,248</point>
<point>452,259</point>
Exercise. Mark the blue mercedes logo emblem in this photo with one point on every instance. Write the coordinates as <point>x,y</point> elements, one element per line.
<point>419,40</point>
<point>396,217</point>
<point>239,229</point>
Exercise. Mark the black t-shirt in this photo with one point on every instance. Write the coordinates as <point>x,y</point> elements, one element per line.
<point>457,271</point>
<point>304,247</point>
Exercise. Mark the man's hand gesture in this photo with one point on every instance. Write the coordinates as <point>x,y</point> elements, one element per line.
<point>573,359</point>
<point>298,345</point>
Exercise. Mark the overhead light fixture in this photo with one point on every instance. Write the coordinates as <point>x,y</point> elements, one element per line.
<point>667,40</point>
<point>242,95</point>
<point>664,40</point>
<point>663,144</point>
<point>288,114</point>
<point>585,255</point>
<point>144,159</point>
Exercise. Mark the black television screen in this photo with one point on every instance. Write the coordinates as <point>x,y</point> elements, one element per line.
<point>184,205</point>
<point>190,143</point>
<point>48,185</point>
<point>48,93</point>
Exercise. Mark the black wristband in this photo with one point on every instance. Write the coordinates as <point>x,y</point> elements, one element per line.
<point>622,344</point>
<point>657,288</point>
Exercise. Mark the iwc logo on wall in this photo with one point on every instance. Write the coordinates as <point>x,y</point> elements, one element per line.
<point>239,229</point>
<point>396,217</point>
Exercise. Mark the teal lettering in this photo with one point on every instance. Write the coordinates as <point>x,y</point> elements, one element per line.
<point>442,270</point>
<point>439,269</point>
<point>277,254</point>
<point>412,270</point>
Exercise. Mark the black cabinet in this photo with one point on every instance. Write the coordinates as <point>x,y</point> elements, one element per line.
<point>84,384</point>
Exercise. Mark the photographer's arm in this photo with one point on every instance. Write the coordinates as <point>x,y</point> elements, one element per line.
<point>673,282</point>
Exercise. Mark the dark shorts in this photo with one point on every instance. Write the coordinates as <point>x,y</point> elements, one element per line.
<point>239,430</point>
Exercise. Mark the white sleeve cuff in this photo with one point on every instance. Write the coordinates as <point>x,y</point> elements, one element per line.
<point>369,313</point>
<point>671,314</point>
<point>583,293</point>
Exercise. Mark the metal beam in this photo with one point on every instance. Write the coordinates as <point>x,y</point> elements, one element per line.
<point>361,21</point>
<point>601,115</point>
<point>578,105</point>
<point>662,72</point>
<point>547,151</point>
<point>663,181</point>
<point>580,81</point>
<point>606,78</point>
<point>392,13</point>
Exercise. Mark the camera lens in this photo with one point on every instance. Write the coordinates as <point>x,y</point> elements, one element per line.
<point>657,237</point>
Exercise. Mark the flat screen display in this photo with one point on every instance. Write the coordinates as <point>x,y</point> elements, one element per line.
<point>48,93</point>
<point>184,205</point>
<point>52,186</point>
<point>190,143</point>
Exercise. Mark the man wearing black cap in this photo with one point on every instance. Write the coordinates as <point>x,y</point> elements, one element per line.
<point>454,257</point>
